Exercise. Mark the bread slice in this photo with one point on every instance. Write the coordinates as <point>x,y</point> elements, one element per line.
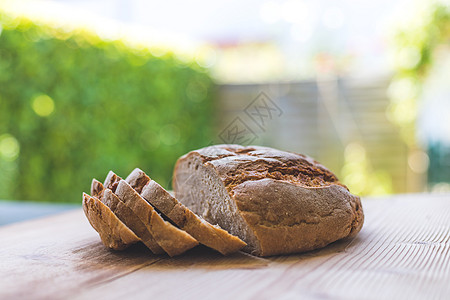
<point>137,180</point>
<point>277,202</point>
<point>113,232</point>
<point>211,236</point>
<point>111,181</point>
<point>173,240</point>
<point>125,214</point>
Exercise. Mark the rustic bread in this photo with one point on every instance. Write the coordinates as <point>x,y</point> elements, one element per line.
<point>113,233</point>
<point>173,240</point>
<point>126,215</point>
<point>277,202</point>
<point>211,236</point>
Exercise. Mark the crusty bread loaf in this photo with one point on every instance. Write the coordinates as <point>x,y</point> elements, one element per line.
<point>126,215</point>
<point>277,202</point>
<point>113,232</point>
<point>211,236</point>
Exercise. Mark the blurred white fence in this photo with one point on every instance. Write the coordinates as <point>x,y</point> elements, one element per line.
<point>319,118</point>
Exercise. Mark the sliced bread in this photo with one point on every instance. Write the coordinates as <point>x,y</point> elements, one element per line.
<point>111,181</point>
<point>211,236</point>
<point>113,232</point>
<point>126,215</point>
<point>173,240</point>
<point>137,180</point>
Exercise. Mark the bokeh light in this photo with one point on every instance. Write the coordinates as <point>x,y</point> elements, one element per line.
<point>9,147</point>
<point>43,105</point>
<point>169,134</point>
<point>418,161</point>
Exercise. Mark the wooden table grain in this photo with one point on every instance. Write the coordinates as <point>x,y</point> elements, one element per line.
<point>403,252</point>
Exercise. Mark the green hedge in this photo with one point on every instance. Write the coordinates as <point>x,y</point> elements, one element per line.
<point>73,106</point>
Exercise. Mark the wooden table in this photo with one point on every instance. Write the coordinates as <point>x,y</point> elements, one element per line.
<point>403,252</point>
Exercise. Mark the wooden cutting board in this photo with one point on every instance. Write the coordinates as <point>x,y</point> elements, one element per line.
<point>403,252</point>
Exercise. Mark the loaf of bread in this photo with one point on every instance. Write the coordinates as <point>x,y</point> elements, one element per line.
<point>277,202</point>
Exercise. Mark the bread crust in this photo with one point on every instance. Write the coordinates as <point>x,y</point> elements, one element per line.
<point>287,218</point>
<point>289,202</point>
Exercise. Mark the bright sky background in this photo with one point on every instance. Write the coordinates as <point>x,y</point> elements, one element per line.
<point>299,28</point>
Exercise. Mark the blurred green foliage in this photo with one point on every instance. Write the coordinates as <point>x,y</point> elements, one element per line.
<point>73,106</point>
<point>415,44</point>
